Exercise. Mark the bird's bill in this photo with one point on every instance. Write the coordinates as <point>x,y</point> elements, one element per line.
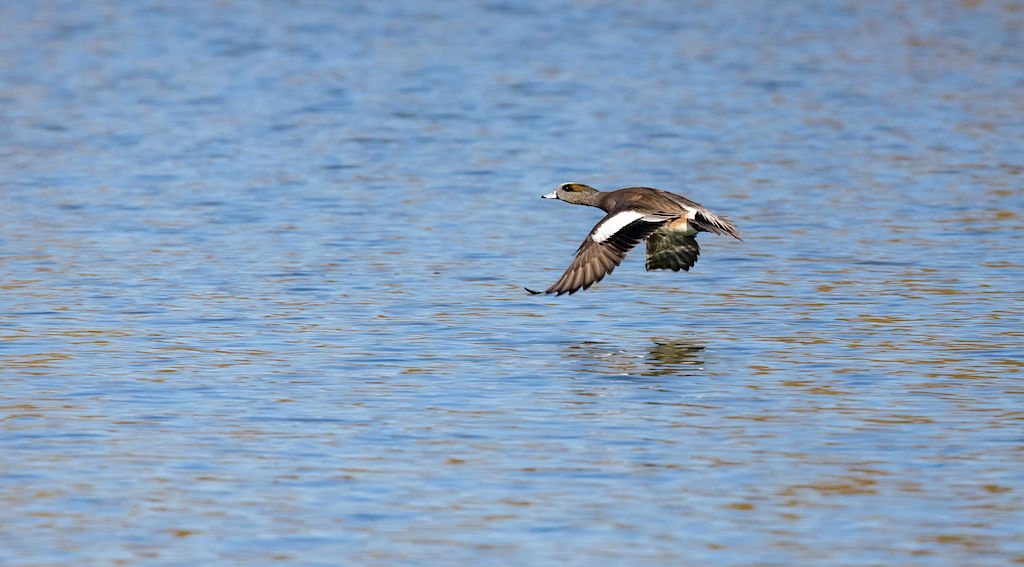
<point>550,195</point>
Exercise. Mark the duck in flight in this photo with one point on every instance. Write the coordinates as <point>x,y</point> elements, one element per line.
<point>668,222</point>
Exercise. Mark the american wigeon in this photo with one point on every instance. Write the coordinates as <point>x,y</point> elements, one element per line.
<point>668,222</point>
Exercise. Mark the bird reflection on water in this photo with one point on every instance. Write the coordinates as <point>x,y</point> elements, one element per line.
<point>680,357</point>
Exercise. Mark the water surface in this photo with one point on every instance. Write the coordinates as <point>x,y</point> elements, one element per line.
<point>261,268</point>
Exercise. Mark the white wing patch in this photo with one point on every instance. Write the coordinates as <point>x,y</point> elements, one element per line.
<point>608,228</point>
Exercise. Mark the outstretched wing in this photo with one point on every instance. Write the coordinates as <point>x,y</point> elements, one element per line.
<point>605,247</point>
<point>672,250</point>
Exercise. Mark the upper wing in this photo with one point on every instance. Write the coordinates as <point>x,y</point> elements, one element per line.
<point>605,247</point>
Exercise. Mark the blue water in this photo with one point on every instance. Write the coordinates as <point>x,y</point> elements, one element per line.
<point>261,270</point>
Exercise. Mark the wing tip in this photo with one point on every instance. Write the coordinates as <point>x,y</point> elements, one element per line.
<point>557,292</point>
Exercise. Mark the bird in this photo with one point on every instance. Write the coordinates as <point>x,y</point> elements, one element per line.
<point>668,222</point>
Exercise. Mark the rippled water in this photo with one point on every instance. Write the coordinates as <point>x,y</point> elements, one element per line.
<point>262,268</point>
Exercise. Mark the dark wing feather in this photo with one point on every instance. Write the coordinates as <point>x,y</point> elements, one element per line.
<point>672,250</point>
<point>595,260</point>
<point>707,221</point>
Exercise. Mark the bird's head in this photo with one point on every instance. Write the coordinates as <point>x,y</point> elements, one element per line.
<point>575,193</point>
